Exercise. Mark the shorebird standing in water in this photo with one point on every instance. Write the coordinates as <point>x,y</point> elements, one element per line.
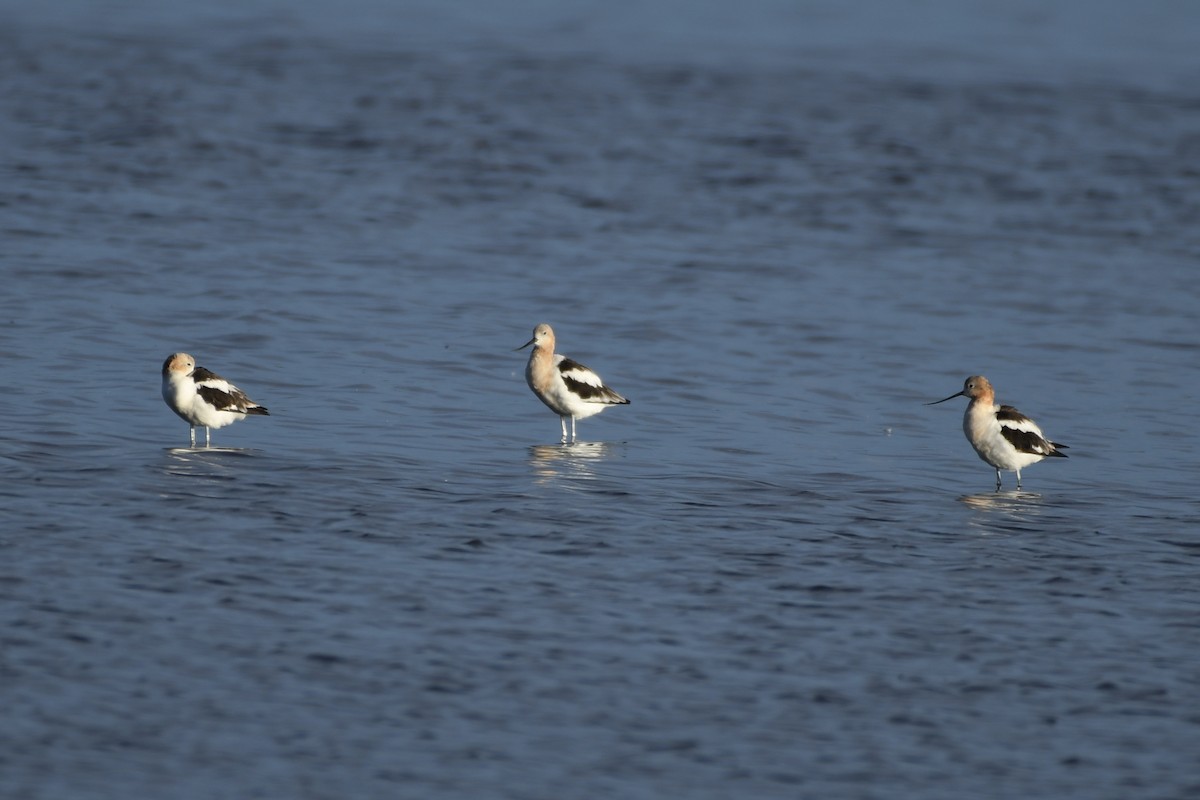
<point>567,387</point>
<point>203,398</point>
<point>1001,435</point>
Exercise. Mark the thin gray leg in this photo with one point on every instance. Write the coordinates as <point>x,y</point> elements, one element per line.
<point>562,420</point>
<point>207,436</point>
<point>572,427</point>
<point>192,431</point>
<point>1018,479</point>
<point>997,479</point>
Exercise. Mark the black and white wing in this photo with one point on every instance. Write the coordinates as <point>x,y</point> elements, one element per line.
<point>1024,434</point>
<point>223,395</point>
<point>586,384</point>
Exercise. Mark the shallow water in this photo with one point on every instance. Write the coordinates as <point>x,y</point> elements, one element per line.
<point>774,574</point>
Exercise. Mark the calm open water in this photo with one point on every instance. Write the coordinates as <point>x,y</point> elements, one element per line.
<point>778,228</point>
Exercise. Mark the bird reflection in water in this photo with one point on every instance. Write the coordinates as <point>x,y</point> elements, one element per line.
<point>576,460</point>
<point>213,463</point>
<point>1003,511</point>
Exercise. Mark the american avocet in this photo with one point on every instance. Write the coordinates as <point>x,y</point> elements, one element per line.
<point>1001,435</point>
<point>203,398</point>
<point>567,387</point>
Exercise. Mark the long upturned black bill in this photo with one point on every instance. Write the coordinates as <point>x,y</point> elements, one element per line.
<point>944,399</point>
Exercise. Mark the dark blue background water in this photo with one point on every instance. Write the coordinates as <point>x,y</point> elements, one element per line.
<point>779,228</point>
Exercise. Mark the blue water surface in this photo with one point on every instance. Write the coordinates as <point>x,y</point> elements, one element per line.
<point>778,228</point>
